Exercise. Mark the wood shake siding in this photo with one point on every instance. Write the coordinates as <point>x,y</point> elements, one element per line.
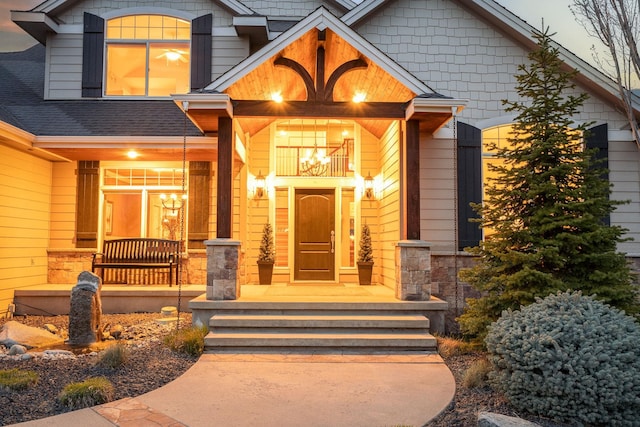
<point>25,198</point>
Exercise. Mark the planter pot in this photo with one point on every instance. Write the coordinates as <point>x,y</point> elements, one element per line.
<point>365,270</point>
<point>265,272</point>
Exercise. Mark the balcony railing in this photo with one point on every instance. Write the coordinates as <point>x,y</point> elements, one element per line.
<point>289,160</point>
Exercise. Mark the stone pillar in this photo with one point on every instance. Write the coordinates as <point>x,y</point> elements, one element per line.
<point>85,310</point>
<point>222,269</point>
<point>413,270</point>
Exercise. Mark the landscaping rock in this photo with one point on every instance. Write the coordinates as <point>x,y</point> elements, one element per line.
<point>490,419</point>
<point>14,332</point>
<point>17,349</point>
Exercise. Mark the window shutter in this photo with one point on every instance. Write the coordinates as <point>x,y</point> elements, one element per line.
<point>92,56</point>
<point>201,51</point>
<point>469,146</point>
<point>199,188</point>
<point>598,138</point>
<point>87,204</point>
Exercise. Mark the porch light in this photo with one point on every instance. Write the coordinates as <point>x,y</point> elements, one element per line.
<point>277,97</point>
<point>132,154</point>
<point>359,97</point>
<point>368,187</point>
<point>260,185</point>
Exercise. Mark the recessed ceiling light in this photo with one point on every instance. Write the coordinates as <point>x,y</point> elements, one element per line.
<point>132,154</point>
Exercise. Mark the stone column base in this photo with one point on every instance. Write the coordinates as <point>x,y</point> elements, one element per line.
<point>222,269</point>
<point>413,270</point>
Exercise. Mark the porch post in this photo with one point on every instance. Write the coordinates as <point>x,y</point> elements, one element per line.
<point>225,178</point>
<point>412,256</point>
<point>223,252</point>
<point>412,179</point>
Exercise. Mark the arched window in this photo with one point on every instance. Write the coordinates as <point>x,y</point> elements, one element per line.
<point>147,55</point>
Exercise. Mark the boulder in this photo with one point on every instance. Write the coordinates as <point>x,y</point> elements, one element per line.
<point>14,332</point>
<point>490,419</point>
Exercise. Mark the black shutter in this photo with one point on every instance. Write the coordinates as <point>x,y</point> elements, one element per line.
<point>598,139</point>
<point>201,51</point>
<point>87,204</point>
<point>92,56</point>
<point>199,199</point>
<point>469,146</point>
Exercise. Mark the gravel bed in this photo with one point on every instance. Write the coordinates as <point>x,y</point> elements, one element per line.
<point>150,365</point>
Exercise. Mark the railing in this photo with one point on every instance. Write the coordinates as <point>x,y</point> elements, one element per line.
<point>289,160</point>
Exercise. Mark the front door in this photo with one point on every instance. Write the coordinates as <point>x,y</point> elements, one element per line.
<point>315,234</point>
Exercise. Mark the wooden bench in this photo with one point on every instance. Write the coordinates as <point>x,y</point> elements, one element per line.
<point>138,261</point>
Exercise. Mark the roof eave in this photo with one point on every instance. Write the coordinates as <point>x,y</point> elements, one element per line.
<point>37,24</point>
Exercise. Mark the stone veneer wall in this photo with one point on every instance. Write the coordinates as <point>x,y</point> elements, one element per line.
<point>443,284</point>
<point>65,265</point>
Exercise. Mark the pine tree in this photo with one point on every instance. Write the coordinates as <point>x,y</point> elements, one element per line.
<point>545,206</point>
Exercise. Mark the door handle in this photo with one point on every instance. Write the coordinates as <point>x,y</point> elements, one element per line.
<point>333,241</point>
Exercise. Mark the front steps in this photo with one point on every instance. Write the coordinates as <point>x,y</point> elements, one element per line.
<point>319,327</point>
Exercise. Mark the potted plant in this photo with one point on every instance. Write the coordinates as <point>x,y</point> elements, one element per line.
<point>266,256</point>
<point>365,256</point>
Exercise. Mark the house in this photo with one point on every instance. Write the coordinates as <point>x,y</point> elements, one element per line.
<point>315,116</point>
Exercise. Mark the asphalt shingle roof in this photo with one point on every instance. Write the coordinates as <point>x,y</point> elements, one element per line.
<point>22,105</point>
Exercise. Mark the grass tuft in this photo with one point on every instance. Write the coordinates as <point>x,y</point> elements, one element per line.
<point>17,379</point>
<point>449,347</point>
<point>188,340</point>
<point>476,374</point>
<point>91,392</point>
<point>113,356</point>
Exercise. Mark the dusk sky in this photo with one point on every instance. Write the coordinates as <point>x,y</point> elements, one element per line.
<point>556,15</point>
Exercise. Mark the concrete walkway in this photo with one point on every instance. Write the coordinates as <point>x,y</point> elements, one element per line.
<point>234,390</point>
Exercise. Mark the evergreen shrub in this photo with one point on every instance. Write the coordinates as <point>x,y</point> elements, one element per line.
<point>569,357</point>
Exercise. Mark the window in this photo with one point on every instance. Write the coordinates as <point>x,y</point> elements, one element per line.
<point>147,55</point>
<point>138,203</point>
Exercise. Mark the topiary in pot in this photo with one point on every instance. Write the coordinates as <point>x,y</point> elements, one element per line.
<point>568,357</point>
<point>266,255</point>
<point>365,257</point>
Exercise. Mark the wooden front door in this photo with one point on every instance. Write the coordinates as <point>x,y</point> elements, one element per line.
<point>315,234</point>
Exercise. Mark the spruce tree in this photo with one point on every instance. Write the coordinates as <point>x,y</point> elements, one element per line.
<point>545,206</point>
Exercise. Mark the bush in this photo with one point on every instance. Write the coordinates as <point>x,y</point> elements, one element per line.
<point>189,340</point>
<point>113,356</point>
<point>17,379</point>
<point>568,357</point>
<point>91,392</point>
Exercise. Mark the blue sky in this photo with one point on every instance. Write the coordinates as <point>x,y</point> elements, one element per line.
<point>556,15</point>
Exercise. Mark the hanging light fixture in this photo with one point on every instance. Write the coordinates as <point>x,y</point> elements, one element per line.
<point>316,163</point>
<point>368,186</point>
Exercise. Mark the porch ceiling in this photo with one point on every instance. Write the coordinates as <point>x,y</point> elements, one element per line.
<point>331,83</point>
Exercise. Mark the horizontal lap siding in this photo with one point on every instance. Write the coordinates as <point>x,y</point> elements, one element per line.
<point>63,205</point>
<point>25,197</point>
<point>437,192</point>
<point>624,160</point>
<point>64,70</point>
<point>390,221</point>
<point>227,52</point>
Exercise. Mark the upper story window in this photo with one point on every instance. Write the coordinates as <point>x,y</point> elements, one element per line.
<point>147,55</point>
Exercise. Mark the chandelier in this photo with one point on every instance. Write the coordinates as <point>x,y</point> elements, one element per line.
<point>315,164</point>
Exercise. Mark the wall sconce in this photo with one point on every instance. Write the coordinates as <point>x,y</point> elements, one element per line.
<point>260,185</point>
<point>172,206</point>
<point>368,187</point>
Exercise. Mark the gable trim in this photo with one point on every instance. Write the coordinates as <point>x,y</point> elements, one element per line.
<point>362,11</point>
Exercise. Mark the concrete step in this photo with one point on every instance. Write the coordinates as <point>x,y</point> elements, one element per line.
<point>339,322</point>
<point>312,340</point>
<point>330,331</point>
